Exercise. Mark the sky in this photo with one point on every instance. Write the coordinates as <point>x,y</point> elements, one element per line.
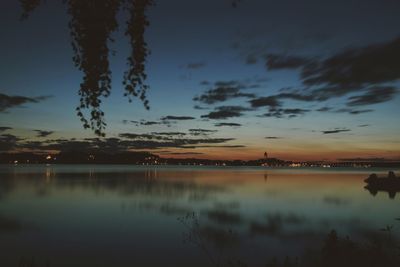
<point>302,80</point>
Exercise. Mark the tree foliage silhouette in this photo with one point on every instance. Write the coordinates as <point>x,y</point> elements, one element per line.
<point>91,24</point>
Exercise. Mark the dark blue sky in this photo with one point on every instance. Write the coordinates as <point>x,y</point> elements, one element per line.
<point>301,79</point>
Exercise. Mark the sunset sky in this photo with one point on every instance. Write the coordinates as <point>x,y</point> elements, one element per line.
<point>303,80</point>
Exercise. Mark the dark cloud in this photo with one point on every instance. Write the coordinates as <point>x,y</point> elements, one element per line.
<point>374,95</point>
<point>204,132</point>
<point>177,118</point>
<point>296,96</point>
<point>8,142</point>
<point>127,141</point>
<point>8,102</point>
<point>363,71</point>
<point>176,134</point>
<point>200,107</point>
<point>285,112</point>
<point>277,61</point>
<point>154,140</point>
<point>225,112</point>
<point>273,137</point>
<point>41,133</point>
<point>195,65</point>
<point>223,91</point>
<point>354,111</point>
<point>364,125</point>
<point>4,128</point>
<point>268,101</point>
<point>324,109</point>
<point>336,130</point>
<point>230,124</point>
<point>149,123</point>
<point>357,67</point>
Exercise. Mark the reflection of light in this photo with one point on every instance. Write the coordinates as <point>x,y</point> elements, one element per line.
<point>49,174</point>
<point>48,157</point>
<point>15,161</point>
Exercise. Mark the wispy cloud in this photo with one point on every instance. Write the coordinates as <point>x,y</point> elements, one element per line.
<point>229,124</point>
<point>42,133</point>
<point>8,102</point>
<point>336,130</point>
<point>225,112</point>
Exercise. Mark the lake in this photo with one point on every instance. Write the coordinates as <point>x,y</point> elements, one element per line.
<point>110,215</point>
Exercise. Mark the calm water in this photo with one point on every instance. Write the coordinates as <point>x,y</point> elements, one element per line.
<point>76,215</point>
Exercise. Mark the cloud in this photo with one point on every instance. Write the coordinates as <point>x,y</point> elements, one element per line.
<point>225,112</point>
<point>200,107</point>
<point>364,125</point>
<point>176,134</point>
<point>374,95</point>
<point>273,137</point>
<point>204,132</point>
<point>223,91</point>
<point>8,102</point>
<point>336,130</point>
<point>285,112</point>
<point>278,61</point>
<point>354,111</point>
<point>230,124</point>
<point>4,128</point>
<point>357,67</point>
<point>366,71</point>
<point>324,109</point>
<point>269,101</point>
<point>154,140</point>
<point>8,142</point>
<point>176,118</point>
<point>41,133</point>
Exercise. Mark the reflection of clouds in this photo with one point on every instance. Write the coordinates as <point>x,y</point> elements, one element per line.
<point>227,205</point>
<point>134,183</point>
<point>223,216</point>
<point>334,200</point>
<point>165,208</point>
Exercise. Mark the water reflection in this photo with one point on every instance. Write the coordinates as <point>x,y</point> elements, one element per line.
<point>122,215</point>
<point>373,190</point>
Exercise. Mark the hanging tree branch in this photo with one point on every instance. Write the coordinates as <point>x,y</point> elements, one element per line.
<point>134,78</point>
<point>91,25</point>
